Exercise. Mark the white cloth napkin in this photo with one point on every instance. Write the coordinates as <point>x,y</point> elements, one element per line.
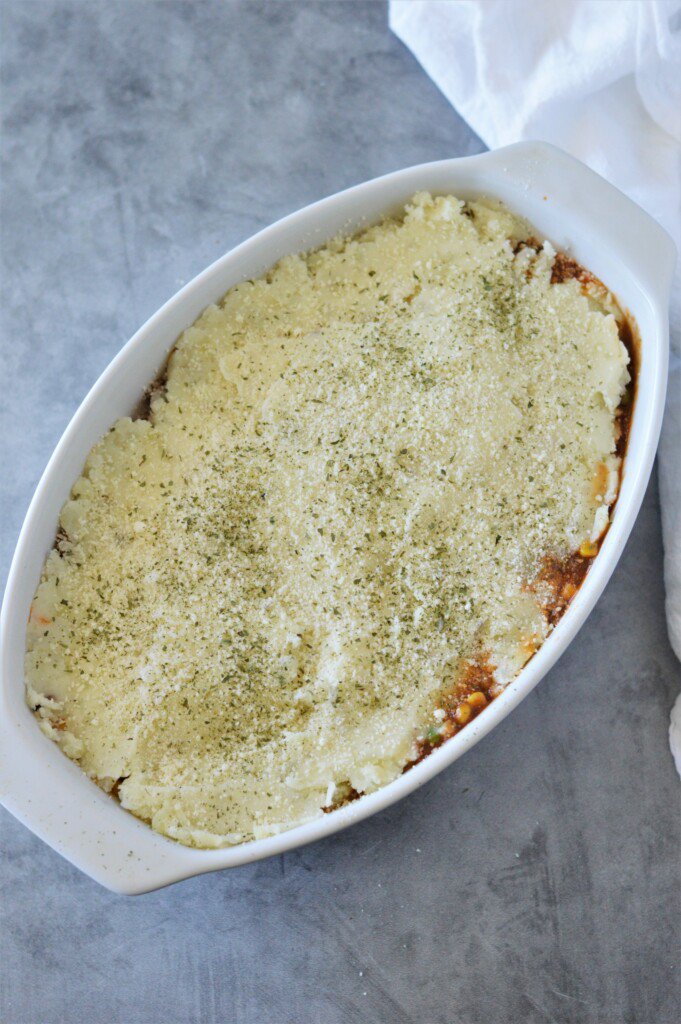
<point>601,80</point>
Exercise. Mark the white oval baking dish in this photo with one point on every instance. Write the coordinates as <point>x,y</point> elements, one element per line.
<point>568,204</point>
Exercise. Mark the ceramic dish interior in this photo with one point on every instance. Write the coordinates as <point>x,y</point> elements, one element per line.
<point>569,205</point>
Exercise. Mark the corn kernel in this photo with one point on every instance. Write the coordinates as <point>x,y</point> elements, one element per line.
<point>477,700</point>
<point>448,729</point>
<point>588,549</point>
<point>463,713</point>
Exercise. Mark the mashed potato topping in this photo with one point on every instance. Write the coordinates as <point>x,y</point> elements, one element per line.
<point>342,500</point>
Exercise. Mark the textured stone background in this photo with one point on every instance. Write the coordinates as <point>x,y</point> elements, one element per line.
<point>538,879</point>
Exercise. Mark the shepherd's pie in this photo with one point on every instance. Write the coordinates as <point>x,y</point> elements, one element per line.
<point>366,488</point>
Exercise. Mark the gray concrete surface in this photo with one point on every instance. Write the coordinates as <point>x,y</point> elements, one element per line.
<point>538,879</point>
